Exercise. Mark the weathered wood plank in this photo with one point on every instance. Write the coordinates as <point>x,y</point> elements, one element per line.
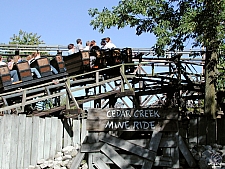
<point>14,142</point>
<point>34,138</point>
<point>153,145</point>
<point>100,164</point>
<point>95,147</point>
<point>91,148</point>
<point>6,141</point>
<point>186,152</point>
<point>84,131</point>
<point>41,140</point>
<point>47,137</point>
<point>21,140</point>
<point>53,137</point>
<point>27,142</point>
<point>128,113</point>
<point>125,93</point>
<point>76,132</point>
<point>175,151</point>
<point>115,157</point>
<point>164,142</point>
<point>59,136</point>
<point>136,160</point>
<point>92,137</point>
<point>77,160</point>
<point>90,161</point>
<point>1,139</point>
<point>67,131</point>
<point>128,146</point>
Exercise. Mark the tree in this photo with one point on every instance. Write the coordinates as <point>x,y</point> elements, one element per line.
<point>173,22</point>
<point>25,38</point>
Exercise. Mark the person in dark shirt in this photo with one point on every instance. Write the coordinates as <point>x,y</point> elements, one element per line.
<point>93,52</point>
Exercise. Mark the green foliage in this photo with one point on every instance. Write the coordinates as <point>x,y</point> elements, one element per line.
<point>173,22</point>
<point>24,38</point>
<point>221,72</point>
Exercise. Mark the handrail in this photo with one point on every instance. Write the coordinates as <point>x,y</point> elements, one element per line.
<point>63,48</point>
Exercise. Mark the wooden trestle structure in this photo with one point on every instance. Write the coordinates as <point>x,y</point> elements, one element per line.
<point>171,83</point>
<point>172,80</point>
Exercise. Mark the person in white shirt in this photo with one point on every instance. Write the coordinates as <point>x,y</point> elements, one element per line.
<point>87,47</point>
<point>71,49</point>
<point>79,46</point>
<point>109,44</point>
<point>103,43</point>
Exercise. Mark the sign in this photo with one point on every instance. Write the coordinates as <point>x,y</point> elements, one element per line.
<point>132,119</point>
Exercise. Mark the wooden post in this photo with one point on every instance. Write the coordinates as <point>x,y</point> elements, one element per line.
<point>21,138</point>
<point>27,142</point>
<point>211,131</point>
<point>1,138</point>
<point>67,95</point>
<point>154,144</point>
<point>220,131</point>
<point>202,130</point>
<point>34,138</point>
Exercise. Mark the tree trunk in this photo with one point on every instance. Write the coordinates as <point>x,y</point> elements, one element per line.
<point>210,95</point>
<point>210,84</point>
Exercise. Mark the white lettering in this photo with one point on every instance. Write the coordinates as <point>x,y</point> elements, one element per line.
<point>136,113</point>
<point>156,114</point>
<point>152,124</point>
<point>151,113</point>
<point>135,125</point>
<point>127,125</point>
<point>117,125</point>
<point>109,124</point>
<point>128,113</point>
<point>108,114</point>
<point>144,125</point>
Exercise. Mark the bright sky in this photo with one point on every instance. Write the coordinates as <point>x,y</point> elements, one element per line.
<point>60,22</point>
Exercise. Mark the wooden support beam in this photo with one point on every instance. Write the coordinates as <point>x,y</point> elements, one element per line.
<point>24,100</point>
<point>99,163</point>
<point>71,95</point>
<point>186,152</point>
<point>130,147</point>
<point>77,160</point>
<point>125,78</point>
<point>154,144</point>
<point>136,160</point>
<point>115,157</point>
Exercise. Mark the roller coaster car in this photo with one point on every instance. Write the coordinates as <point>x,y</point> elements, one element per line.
<point>73,63</point>
<point>5,76</point>
<point>126,55</point>
<point>25,76</point>
<point>23,70</point>
<point>116,56</point>
<point>58,63</point>
<point>43,66</point>
<point>85,61</point>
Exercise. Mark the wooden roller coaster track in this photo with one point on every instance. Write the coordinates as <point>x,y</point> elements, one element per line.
<point>155,82</point>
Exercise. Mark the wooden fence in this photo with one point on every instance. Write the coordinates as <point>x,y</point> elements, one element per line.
<point>197,129</point>
<point>25,140</point>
